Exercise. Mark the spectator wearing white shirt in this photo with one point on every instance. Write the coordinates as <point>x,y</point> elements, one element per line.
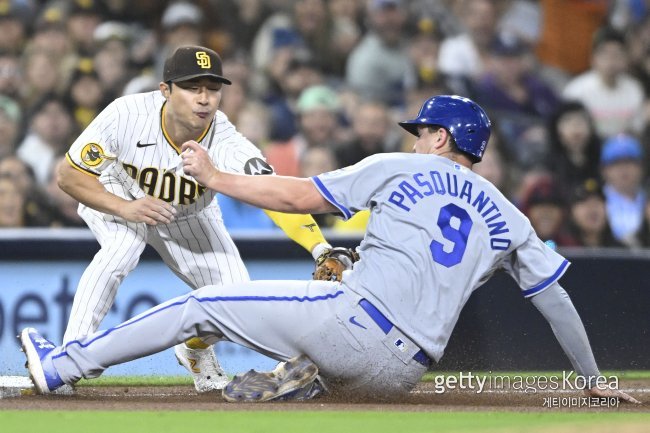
<point>463,54</point>
<point>613,97</point>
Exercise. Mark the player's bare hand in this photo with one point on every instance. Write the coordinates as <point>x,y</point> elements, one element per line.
<point>608,393</point>
<point>197,162</point>
<point>148,210</point>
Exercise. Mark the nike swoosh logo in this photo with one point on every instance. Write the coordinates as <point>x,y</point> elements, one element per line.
<point>145,144</point>
<point>353,320</point>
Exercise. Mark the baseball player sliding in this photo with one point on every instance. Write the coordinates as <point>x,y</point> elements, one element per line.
<point>126,170</point>
<point>437,231</point>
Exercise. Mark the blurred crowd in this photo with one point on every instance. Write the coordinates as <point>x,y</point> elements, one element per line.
<point>320,84</point>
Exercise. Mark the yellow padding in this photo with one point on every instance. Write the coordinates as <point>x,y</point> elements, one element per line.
<point>302,229</point>
<point>196,343</point>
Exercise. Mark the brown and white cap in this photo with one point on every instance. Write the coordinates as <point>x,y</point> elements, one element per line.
<point>192,62</point>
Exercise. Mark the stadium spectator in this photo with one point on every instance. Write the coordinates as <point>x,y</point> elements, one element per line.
<point>379,68</point>
<point>370,128</point>
<point>424,52</point>
<point>318,109</point>
<point>14,16</point>
<point>85,95</point>
<point>35,208</point>
<point>83,17</point>
<point>51,35</point>
<point>638,48</point>
<point>15,168</point>
<point>545,207</point>
<point>12,204</point>
<point>237,94</point>
<point>462,54</point>
<point>588,224</point>
<point>612,96</point>
<point>346,30</point>
<point>181,24</point>
<point>10,72</point>
<point>49,134</point>
<point>442,16</point>
<point>621,162</point>
<point>574,145</point>
<point>254,123</point>
<point>301,73</point>
<point>521,19</point>
<point>508,87</point>
<point>10,117</point>
<point>241,20</point>
<point>303,32</point>
<point>111,59</point>
<point>43,75</point>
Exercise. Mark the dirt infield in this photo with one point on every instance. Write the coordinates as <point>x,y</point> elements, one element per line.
<point>422,399</point>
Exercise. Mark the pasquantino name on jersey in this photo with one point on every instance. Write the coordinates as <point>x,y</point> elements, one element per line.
<point>433,183</point>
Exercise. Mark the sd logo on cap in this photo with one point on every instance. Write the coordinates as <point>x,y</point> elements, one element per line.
<point>191,62</point>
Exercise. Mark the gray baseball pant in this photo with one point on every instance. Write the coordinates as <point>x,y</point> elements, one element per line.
<point>280,319</point>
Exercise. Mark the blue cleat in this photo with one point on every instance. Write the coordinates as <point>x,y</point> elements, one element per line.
<point>39,362</point>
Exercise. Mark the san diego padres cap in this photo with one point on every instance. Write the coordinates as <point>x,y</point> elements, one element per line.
<point>192,62</point>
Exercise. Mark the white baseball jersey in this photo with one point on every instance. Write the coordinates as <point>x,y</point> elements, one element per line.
<point>196,246</point>
<point>437,232</point>
<point>132,129</point>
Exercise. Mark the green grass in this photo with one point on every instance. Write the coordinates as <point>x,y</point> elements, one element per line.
<point>286,422</point>
<point>137,381</point>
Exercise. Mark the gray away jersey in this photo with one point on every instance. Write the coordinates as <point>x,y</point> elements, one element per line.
<point>437,231</point>
<point>132,129</point>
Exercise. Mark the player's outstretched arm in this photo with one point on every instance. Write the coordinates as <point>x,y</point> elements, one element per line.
<point>90,191</point>
<point>278,193</point>
<point>556,306</point>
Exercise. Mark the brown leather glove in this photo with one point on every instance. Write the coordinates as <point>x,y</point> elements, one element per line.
<point>331,264</point>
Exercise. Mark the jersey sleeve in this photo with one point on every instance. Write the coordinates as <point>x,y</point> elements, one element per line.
<point>351,189</point>
<point>534,265</point>
<point>87,153</point>
<point>232,152</point>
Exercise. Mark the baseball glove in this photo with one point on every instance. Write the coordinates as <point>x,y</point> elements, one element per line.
<point>331,264</point>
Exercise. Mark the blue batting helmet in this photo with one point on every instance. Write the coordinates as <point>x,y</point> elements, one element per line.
<point>462,117</point>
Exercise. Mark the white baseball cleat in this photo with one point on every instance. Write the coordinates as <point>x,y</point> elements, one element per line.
<point>203,366</point>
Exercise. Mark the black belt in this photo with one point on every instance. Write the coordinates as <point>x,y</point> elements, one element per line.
<point>386,325</point>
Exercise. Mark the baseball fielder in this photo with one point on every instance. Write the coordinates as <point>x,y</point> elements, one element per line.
<point>126,170</point>
<point>437,231</point>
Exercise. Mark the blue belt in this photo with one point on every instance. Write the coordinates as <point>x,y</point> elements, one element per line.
<point>386,325</point>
